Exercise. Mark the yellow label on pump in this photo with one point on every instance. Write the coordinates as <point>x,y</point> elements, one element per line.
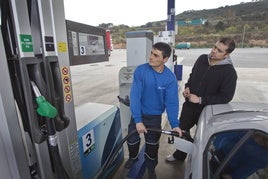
<point>62,47</point>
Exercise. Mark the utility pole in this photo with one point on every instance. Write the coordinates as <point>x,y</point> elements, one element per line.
<point>243,37</point>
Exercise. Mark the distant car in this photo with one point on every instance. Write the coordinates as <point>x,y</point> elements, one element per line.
<point>231,140</point>
<point>183,45</point>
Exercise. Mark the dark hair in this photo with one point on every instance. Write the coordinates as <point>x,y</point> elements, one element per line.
<point>229,42</point>
<point>164,48</point>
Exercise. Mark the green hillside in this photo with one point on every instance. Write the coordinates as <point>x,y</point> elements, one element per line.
<point>246,22</point>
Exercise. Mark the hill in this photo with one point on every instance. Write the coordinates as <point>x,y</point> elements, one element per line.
<point>246,22</point>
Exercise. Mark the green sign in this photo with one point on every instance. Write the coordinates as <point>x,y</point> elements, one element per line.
<point>26,43</point>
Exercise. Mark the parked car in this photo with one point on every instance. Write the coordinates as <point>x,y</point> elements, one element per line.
<point>231,140</point>
<point>183,45</point>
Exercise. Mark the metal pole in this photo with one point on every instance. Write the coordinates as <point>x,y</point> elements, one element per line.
<point>243,37</point>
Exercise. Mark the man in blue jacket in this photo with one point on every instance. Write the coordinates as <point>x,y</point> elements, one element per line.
<point>212,81</point>
<point>154,89</point>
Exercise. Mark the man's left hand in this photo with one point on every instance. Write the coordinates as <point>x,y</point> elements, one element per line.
<point>193,98</point>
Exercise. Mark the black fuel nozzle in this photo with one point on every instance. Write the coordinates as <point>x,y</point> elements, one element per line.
<point>171,140</point>
<point>185,135</point>
<point>125,101</point>
<point>172,133</point>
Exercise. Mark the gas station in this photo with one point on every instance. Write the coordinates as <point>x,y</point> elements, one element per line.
<point>43,135</point>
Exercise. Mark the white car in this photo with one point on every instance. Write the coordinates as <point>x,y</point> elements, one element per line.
<point>231,141</point>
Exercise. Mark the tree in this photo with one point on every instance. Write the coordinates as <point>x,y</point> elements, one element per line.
<point>219,26</point>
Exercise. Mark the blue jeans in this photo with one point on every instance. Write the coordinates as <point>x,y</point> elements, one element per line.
<point>151,140</point>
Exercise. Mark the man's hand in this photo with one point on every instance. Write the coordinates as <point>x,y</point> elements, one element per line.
<point>141,128</point>
<point>178,130</point>
<point>186,92</point>
<point>193,98</point>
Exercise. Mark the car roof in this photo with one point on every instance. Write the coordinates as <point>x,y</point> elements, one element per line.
<point>236,115</point>
<point>238,106</point>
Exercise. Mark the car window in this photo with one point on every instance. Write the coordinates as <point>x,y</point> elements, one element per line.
<point>237,154</point>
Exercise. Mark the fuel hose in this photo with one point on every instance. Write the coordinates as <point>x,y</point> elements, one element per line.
<point>111,157</point>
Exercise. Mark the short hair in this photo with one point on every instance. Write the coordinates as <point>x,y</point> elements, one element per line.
<point>164,48</point>
<point>229,42</point>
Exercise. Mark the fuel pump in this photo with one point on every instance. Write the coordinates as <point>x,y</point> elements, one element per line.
<point>33,46</point>
<point>15,164</point>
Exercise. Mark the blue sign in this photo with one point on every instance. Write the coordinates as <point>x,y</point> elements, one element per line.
<point>171,16</point>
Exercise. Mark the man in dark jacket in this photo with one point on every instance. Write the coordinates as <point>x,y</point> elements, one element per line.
<point>212,81</point>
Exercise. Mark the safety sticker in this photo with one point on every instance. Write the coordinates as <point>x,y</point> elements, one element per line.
<point>62,47</point>
<point>65,75</point>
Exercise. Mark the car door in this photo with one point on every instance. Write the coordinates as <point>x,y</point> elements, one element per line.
<point>236,154</point>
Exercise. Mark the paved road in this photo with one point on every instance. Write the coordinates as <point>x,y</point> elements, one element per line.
<point>98,82</point>
<point>242,57</point>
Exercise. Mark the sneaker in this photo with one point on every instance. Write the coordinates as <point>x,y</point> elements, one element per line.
<point>129,163</point>
<point>151,174</point>
<point>170,158</point>
<point>177,155</point>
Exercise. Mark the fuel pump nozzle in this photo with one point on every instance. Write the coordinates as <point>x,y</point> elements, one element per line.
<point>44,109</point>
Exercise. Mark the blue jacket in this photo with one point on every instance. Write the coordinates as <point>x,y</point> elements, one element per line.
<point>152,93</point>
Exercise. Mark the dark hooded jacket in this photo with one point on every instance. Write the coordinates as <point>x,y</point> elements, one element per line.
<point>214,84</point>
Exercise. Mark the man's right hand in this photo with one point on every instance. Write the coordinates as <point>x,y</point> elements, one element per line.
<point>178,130</point>
<point>141,128</point>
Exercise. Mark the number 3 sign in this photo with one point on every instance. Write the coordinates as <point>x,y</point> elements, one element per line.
<point>82,50</point>
<point>88,142</point>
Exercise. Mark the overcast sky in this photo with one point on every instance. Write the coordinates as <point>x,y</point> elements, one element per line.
<point>133,12</point>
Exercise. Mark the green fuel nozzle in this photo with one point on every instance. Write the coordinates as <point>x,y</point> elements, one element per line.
<point>44,109</point>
